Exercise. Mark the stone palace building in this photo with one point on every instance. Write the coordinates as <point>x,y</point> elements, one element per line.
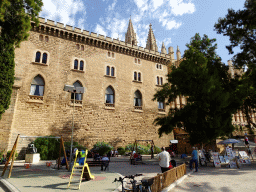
<point>119,77</point>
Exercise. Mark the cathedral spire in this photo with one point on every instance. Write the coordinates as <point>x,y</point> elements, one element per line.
<point>151,41</point>
<point>130,35</point>
<point>163,50</point>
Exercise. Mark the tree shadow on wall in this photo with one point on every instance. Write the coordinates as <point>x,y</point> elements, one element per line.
<point>80,134</point>
<point>116,142</point>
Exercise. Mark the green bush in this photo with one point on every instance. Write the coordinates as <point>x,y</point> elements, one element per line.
<point>48,148</point>
<point>8,155</point>
<point>157,149</point>
<point>142,149</point>
<point>121,150</point>
<point>102,148</point>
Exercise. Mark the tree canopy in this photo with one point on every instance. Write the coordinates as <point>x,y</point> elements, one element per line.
<point>211,95</point>
<point>15,17</point>
<point>240,26</point>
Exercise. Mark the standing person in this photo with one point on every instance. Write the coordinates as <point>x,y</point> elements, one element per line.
<point>246,140</point>
<point>164,160</point>
<point>194,159</point>
<point>152,151</point>
<point>109,155</point>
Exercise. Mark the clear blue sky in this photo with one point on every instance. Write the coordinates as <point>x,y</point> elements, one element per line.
<point>174,22</point>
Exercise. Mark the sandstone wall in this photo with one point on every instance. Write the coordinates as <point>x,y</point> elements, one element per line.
<point>94,121</point>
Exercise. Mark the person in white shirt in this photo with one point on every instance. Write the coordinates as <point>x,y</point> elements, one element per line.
<point>105,162</point>
<point>164,160</point>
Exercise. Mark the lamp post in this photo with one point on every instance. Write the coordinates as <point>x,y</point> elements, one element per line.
<point>74,90</point>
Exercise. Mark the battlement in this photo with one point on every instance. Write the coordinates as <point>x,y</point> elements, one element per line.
<point>74,31</point>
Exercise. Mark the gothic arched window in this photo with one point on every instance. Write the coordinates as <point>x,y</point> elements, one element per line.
<point>37,86</point>
<point>78,95</point>
<point>137,99</point>
<point>109,95</point>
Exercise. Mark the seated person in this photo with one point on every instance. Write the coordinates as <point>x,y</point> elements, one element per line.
<point>82,157</point>
<point>96,157</point>
<point>63,162</point>
<point>105,162</point>
<point>135,155</point>
<point>138,158</point>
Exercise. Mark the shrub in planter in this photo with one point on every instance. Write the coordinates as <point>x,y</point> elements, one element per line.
<point>48,148</point>
<point>102,148</point>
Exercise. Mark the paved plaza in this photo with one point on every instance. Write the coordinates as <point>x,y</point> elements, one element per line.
<point>211,179</point>
<point>42,178</point>
<point>208,179</point>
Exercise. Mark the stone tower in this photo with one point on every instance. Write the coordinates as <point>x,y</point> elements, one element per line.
<point>151,42</point>
<point>163,50</point>
<point>130,35</point>
<point>171,52</point>
<point>178,53</point>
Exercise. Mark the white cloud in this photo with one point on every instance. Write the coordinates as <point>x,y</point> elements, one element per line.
<point>112,6</point>
<point>167,41</point>
<point>157,3</point>
<point>63,11</point>
<point>179,7</point>
<point>172,24</point>
<point>99,29</point>
<point>80,23</point>
<point>142,4</point>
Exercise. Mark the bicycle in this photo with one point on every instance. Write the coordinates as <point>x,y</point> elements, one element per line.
<point>145,185</point>
<point>135,188</point>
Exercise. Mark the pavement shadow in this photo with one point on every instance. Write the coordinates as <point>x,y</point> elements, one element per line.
<point>53,186</point>
<point>194,186</point>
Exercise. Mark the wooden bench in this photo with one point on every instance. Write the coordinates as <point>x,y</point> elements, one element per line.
<point>97,163</point>
<point>133,162</point>
<point>94,163</point>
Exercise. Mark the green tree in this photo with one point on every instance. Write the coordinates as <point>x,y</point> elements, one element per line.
<point>240,26</point>
<point>210,92</point>
<point>15,17</point>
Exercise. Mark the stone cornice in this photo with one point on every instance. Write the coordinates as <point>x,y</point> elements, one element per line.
<point>85,37</point>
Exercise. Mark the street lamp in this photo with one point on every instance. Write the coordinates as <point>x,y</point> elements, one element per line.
<point>74,90</point>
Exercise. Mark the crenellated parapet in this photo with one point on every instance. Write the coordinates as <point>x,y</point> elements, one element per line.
<point>67,32</point>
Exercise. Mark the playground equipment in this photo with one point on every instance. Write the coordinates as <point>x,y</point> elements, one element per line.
<point>82,167</point>
<point>12,154</point>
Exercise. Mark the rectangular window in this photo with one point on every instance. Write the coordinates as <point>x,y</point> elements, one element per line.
<point>160,105</point>
<point>113,55</point>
